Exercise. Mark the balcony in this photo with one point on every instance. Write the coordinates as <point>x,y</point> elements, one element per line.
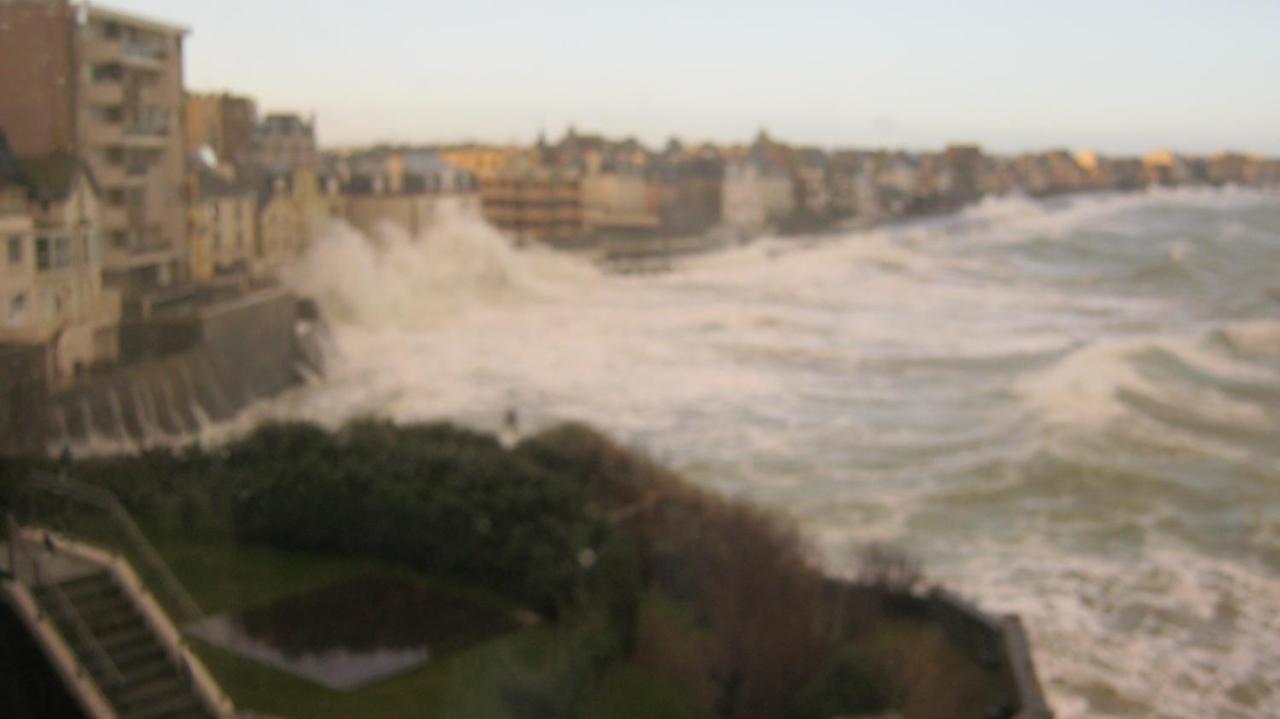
<point>104,93</point>
<point>155,136</point>
<point>139,256</point>
<point>121,175</point>
<point>114,218</point>
<point>126,52</point>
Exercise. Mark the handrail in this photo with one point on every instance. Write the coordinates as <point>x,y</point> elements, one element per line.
<point>17,545</point>
<point>86,635</point>
<point>106,501</point>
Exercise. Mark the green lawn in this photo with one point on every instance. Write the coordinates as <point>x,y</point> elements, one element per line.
<point>475,682</point>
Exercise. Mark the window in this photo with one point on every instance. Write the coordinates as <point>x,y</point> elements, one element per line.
<point>43,259</point>
<point>17,308</point>
<point>15,250</point>
<point>91,253</point>
<point>61,252</point>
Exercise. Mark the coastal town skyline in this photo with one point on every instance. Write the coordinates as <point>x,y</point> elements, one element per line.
<point>1103,79</point>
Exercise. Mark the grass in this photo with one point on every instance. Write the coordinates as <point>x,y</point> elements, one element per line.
<point>631,691</point>
<point>224,576</point>
<point>468,684</point>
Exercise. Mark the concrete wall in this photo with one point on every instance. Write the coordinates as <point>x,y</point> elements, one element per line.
<point>24,385</point>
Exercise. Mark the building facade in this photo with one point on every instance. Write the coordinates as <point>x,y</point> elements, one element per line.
<point>534,204</point>
<point>224,123</point>
<point>105,87</point>
<point>224,227</point>
<point>284,142</point>
<point>51,270</point>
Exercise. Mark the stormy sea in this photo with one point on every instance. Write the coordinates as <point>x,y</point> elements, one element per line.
<point>1067,408</point>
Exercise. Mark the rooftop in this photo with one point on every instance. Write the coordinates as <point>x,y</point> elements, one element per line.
<point>98,12</point>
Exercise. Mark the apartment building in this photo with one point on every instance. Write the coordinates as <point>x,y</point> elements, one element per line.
<point>105,87</point>
<point>534,204</point>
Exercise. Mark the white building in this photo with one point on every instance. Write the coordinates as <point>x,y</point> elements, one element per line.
<point>755,195</point>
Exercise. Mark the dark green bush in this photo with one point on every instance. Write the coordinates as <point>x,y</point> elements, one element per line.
<point>447,500</point>
<point>846,685</point>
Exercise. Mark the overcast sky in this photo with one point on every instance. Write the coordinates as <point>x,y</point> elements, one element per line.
<point>1119,76</point>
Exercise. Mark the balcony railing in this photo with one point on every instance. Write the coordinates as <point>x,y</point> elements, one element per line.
<point>147,129</point>
<point>141,51</point>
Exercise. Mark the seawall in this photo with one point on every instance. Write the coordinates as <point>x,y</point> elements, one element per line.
<point>184,372</point>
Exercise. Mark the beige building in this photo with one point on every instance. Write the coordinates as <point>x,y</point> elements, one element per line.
<point>293,210</point>
<point>617,202</point>
<point>406,189</point>
<point>285,142</point>
<point>224,227</point>
<point>755,195</point>
<point>51,271</point>
<point>107,87</point>
<point>534,204</point>
<point>481,160</point>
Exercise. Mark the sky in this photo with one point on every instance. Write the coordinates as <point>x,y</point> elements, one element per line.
<point>1123,76</point>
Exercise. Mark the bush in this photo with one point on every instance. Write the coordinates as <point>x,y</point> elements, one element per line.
<point>846,685</point>
<point>446,500</point>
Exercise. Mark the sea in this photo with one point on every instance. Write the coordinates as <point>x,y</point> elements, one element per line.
<point>1067,409</point>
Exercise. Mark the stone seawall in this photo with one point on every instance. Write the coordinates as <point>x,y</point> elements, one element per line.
<point>215,362</point>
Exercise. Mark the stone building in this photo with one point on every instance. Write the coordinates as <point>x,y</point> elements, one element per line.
<point>224,232</point>
<point>284,142</point>
<point>107,88</point>
<point>687,185</point>
<point>408,189</point>
<point>294,210</point>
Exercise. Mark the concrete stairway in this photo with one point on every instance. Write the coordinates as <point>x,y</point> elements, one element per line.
<point>118,648</point>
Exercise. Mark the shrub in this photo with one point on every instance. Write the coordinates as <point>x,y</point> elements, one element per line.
<point>848,684</point>
<point>446,500</point>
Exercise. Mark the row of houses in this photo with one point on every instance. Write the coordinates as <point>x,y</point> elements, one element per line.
<point>127,196</point>
<point>585,186</point>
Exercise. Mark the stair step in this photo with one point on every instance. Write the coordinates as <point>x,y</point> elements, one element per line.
<point>89,585</point>
<point>184,703</point>
<point>127,659</point>
<point>124,637</point>
<point>150,692</point>
<point>103,604</point>
<point>139,673</point>
<point>103,624</point>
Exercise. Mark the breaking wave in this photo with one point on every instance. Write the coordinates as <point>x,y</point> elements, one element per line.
<point>1067,407</point>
